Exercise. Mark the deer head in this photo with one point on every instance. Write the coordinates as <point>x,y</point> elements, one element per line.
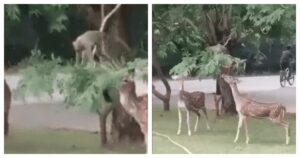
<point>128,85</point>
<point>180,79</point>
<point>127,95</point>
<point>230,79</point>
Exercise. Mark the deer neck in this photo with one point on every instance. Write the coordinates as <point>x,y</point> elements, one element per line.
<point>129,101</point>
<point>236,94</point>
<point>182,86</point>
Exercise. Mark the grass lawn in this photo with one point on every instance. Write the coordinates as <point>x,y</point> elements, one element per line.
<point>265,137</point>
<point>62,141</point>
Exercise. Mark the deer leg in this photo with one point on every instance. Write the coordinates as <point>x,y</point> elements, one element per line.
<point>285,125</point>
<point>287,134</point>
<point>245,120</point>
<point>179,121</point>
<point>206,118</point>
<point>217,101</point>
<point>197,120</point>
<point>216,105</point>
<point>238,128</point>
<point>188,122</point>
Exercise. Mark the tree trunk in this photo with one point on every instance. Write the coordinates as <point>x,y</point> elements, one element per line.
<point>224,90</point>
<point>124,127</point>
<point>166,105</point>
<point>165,98</point>
<point>102,122</point>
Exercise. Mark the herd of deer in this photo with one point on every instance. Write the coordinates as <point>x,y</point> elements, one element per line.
<point>137,107</point>
<point>245,107</point>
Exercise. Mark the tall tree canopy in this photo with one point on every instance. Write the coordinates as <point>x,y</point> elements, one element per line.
<point>183,30</point>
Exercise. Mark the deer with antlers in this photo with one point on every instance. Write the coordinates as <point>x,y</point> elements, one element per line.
<point>136,106</point>
<point>191,102</point>
<point>249,108</point>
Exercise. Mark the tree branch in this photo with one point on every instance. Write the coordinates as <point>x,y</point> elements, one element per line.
<point>158,94</point>
<point>103,24</point>
<point>104,21</point>
<point>228,39</point>
<point>211,28</point>
<point>102,13</point>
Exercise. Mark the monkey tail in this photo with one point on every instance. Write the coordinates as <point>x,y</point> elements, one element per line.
<point>94,53</point>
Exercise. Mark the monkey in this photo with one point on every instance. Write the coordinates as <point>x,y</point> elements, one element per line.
<point>87,45</point>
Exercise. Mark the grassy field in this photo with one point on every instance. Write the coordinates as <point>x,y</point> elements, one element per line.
<point>62,141</point>
<point>265,137</point>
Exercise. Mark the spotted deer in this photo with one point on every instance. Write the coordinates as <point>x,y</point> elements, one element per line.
<point>7,103</point>
<point>191,102</point>
<point>249,108</point>
<point>136,106</point>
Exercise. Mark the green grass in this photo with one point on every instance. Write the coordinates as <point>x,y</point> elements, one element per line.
<point>62,141</point>
<point>265,137</point>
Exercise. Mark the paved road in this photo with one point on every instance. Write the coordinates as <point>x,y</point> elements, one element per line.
<point>262,88</point>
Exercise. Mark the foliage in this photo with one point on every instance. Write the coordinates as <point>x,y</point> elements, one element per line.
<point>38,77</point>
<point>206,63</point>
<point>12,12</point>
<point>87,86</point>
<point>54,14</point>
<point>188,29</point>
<point>273,20</point>
<point>81,85</point>
<point>175,29</point>
<point>139,67</point>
